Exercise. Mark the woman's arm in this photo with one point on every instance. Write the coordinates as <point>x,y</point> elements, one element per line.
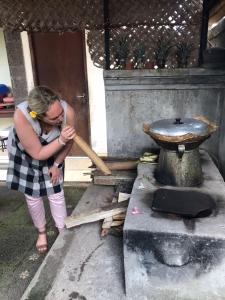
<point>54,172</point>
<point>70,120</point>
<point>30,140</point>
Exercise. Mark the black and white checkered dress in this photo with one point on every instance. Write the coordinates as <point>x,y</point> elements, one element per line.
<point>28,175</point>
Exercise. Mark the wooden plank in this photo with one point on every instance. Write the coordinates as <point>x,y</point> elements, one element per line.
<point>217,12</point>
<point>96,215</point>
<point>123,197</point>
<point>217,16</point>
<point>119,217</point>
<point>117,223</point>
<point>122,165</point>
<point>107,223</point>
<point>115,220</point>
<point>115,178</point>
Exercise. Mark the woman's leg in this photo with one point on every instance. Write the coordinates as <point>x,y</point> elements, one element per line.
<point>58,209</point>
<point>37,213</point>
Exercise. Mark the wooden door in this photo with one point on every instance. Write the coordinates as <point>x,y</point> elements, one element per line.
<point>60,64</point>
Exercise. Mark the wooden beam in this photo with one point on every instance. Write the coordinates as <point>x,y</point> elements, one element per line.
<point>204,31</point>
<point>115,178</point>
<point>96,215</point>
<point>210,4</point>
<point>107,33</point>
<point>217,13</point>
<point>216,7</point>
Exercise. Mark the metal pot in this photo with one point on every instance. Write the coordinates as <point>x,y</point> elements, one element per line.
<point>179,139</point>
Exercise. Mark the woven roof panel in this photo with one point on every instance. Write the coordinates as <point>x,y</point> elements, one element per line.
<point>142,23</point>
<point>51,15</point>
<point>66,15</point>
<point>155,11</point>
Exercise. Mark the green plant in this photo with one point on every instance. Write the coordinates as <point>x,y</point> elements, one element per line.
<point>121,52</point>
<point>183,53</point>
<point>161,51</point>
<point>139,58</point>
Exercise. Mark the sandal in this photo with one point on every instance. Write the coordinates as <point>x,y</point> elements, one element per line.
<point>44,247</point>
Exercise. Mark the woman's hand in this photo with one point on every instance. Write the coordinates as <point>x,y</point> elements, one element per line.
<point>68,133</point>
<point>55,173</point>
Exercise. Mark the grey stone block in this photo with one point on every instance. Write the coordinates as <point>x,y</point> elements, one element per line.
<point>169,257</point>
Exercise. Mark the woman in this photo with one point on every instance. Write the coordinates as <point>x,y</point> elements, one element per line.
<point>38,144</point>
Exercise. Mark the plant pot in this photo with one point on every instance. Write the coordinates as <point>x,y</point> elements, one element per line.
<point>129,65</point>
<point>182,63</point>
<point>149,65</point>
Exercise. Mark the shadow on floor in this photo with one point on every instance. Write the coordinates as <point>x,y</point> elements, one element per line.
<point>19,260</point>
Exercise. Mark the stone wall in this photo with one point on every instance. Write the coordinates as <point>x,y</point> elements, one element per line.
<point>138,96</point>
<point>16,65</point>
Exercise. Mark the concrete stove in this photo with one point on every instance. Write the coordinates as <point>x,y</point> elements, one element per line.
<point>169,257</point>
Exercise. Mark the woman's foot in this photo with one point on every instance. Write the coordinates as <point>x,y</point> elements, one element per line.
<point>41,244</point>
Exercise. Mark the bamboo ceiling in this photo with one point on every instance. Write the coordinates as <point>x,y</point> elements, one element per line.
<point>142,22</point>
<point>50,15</point>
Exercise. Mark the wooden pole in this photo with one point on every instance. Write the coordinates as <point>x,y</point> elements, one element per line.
<point>204,31</point>
<point>107,33</point>
<point>92,155</point>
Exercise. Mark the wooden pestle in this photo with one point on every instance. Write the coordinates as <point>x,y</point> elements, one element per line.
<point>92,155</point>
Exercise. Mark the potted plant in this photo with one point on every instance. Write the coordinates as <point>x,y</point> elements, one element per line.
<point>161,51</point>
<point>183,53</point>
<point>121,52</point>
<point>139,58</point>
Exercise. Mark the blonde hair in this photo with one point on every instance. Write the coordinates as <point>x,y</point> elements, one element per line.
<point>40,98</point>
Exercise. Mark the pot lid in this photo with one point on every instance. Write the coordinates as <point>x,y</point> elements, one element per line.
<point>179,127</point>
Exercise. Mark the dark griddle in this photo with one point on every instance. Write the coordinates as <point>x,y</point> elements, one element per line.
<point>189,204</point>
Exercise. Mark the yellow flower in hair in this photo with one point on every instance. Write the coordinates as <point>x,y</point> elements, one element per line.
<point>33,114</point>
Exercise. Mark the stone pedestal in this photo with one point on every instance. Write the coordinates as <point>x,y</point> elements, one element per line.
<point>169,257</point>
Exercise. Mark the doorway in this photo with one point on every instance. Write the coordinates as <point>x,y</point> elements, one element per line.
<point>60,63</point>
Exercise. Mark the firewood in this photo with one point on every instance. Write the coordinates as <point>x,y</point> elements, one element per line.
<point>118,217</point>
<point>114,200</point>
<point>123,197</point>
<point>107,223</point>
<point>117,223</point>
<point>115,220</point>
<point>95,215</point>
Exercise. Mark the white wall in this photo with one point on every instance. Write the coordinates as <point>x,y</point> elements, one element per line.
<point>4,65</point>
<point>27,60</point>
<point>96,91</point>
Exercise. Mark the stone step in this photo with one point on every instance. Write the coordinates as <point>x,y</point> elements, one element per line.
<point>165,255</point>
<point>80,264</point>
